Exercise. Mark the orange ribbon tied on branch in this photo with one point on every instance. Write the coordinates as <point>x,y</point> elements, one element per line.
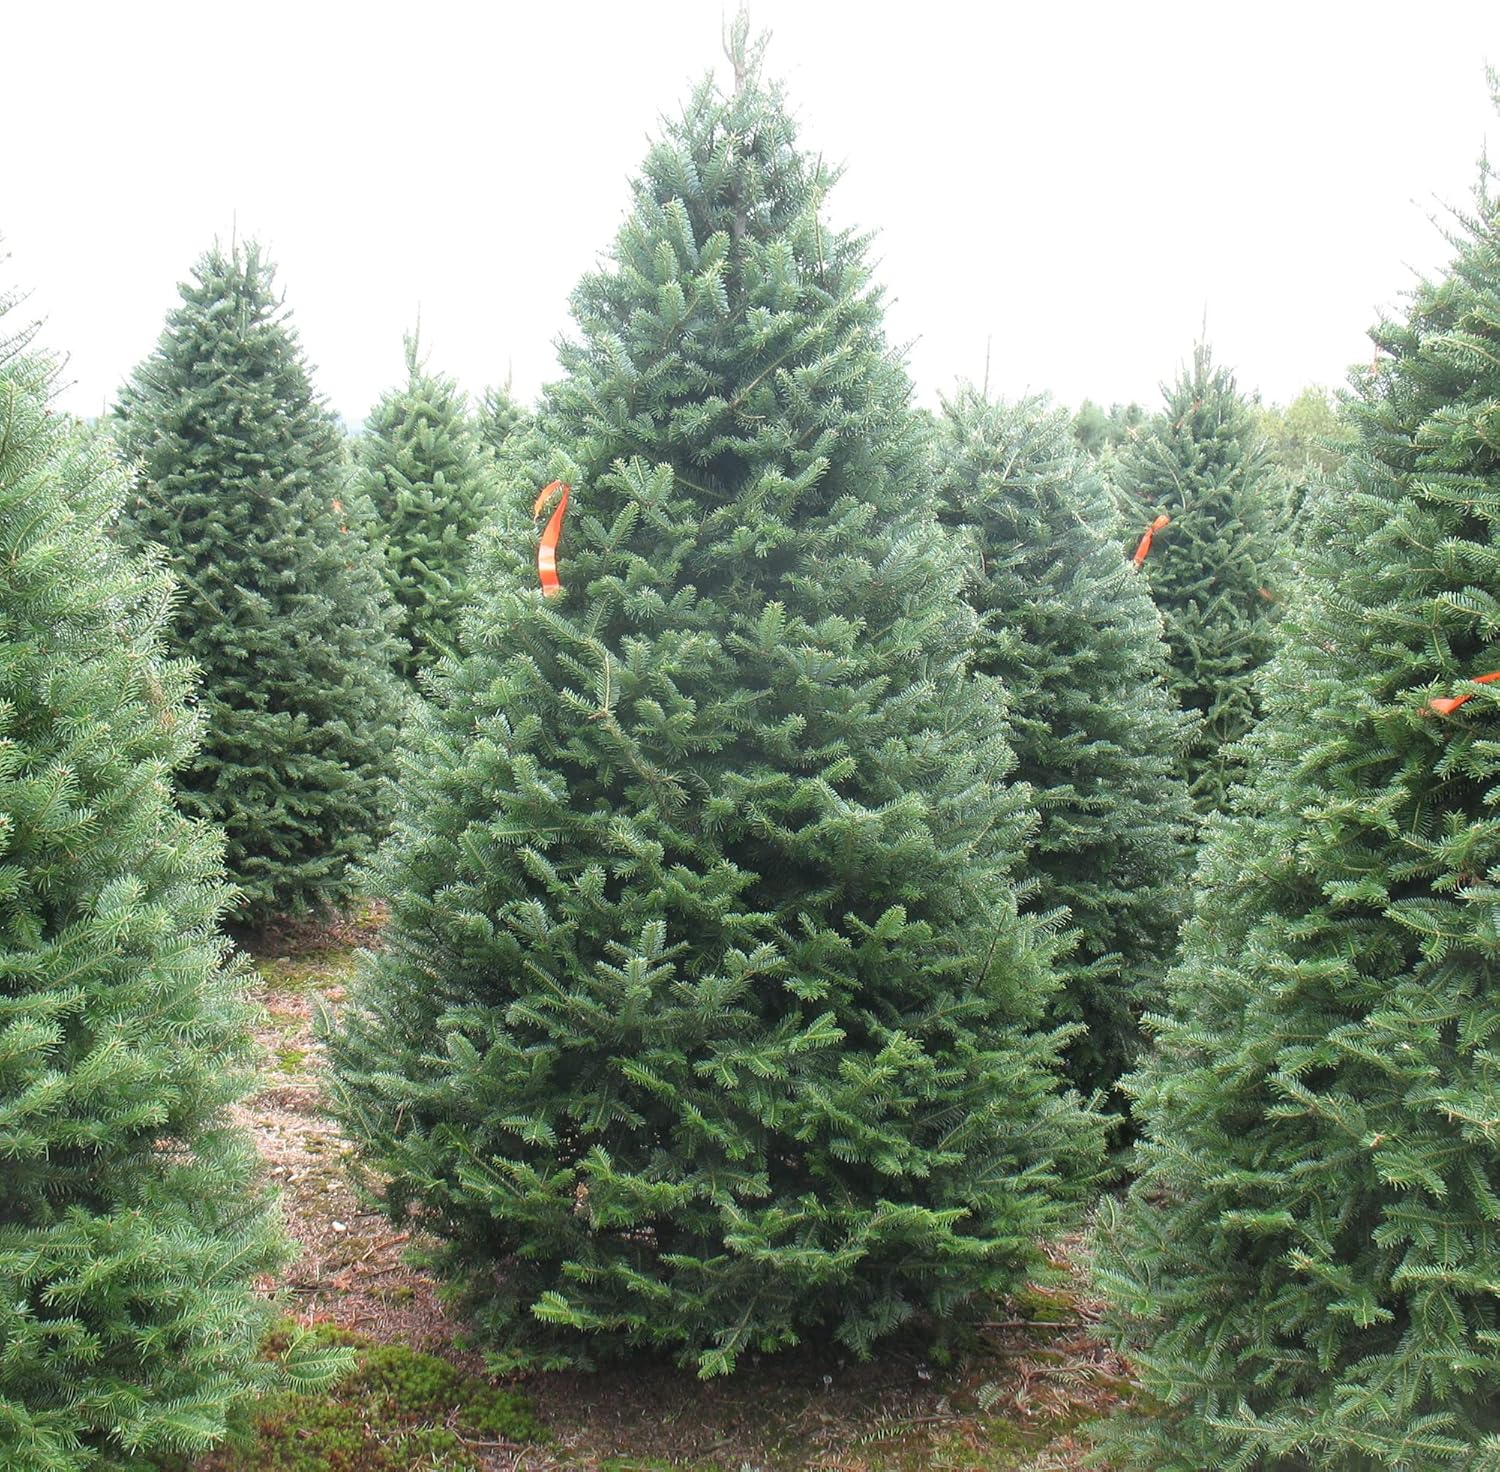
<point>1144,545</point>
<point>1450,703</point>
<point>546,553</point>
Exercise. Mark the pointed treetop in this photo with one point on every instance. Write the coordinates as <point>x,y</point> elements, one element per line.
<point>411,345</point>
<point>240,482</point>
<point>745,55</point>
<point>701,899</point>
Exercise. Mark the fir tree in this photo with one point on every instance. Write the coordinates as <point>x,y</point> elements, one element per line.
<point>422,468</point>
<point>1216,569</point>
<point>1073,634</point>
<point>1307,1270</point>
<point>131,1229</point>
<point>1305,438</point>
<point>1102,432</point>
<point>707,1021</point>
<point>286,615</point>
<point>500,417</point>
<point>506,430</point>
<point>1306,441</point>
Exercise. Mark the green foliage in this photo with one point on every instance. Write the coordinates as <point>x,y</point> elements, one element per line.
<point>1307,1269</point>
<point>1100,431</point>
<point>1305,437</point>
<point>422,1385</point>
<point>131,1230</point>
<point>706,1020</point>
<point>284,611</point>
<point>1072,633</point>
<point>1217,569</point>
<point>393,1409</point>
<point>500,417</point>
<point>1307,442</point>
<point>423,469</point>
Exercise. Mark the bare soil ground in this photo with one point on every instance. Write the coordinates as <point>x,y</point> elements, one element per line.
<point>1014,1405</point>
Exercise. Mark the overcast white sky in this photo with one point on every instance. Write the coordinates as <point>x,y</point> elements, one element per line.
<point>1078,182</point>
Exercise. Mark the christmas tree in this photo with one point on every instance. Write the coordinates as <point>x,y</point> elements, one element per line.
<point>1072,633</point>
<point>422,468</point>
<point>500,417</point>
<point>1306,1272</point>
<point>131,1229</point>
<point>1102,432</point>
<point>706,1020</point>
<point>285,612</point>
<point>1215,568</point>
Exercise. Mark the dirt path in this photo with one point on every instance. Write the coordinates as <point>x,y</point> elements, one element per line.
<point>1012,1408</point>
<point>351,1271</point>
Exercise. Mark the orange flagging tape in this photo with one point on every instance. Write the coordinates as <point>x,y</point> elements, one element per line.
<point>1144,546</point>
<point>1450,703</point>
<point>546,554</point>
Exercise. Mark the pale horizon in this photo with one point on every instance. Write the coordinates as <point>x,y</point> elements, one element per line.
<point>1072,194</point>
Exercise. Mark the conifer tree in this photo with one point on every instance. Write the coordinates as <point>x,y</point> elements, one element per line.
<point>1306,441</point>
<point>707,1021</point>
<point>500,417</point>
<point>1307,1270</point>
<point>1072,632</point>
<point>1215,570</point>
<point>423,470</point>
<point>1101,432</point>
<point>506,429</point>
<point>285,612</point>
<point>131,1227</point>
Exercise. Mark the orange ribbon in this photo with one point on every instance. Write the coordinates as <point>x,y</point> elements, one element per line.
<point>546,553</point>
<point>1450,703</point>
<point>1144,545</point>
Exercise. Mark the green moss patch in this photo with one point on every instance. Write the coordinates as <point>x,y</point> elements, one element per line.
<point>399,1411</point>
<point>313,971</point>
<point>290,1060</point>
